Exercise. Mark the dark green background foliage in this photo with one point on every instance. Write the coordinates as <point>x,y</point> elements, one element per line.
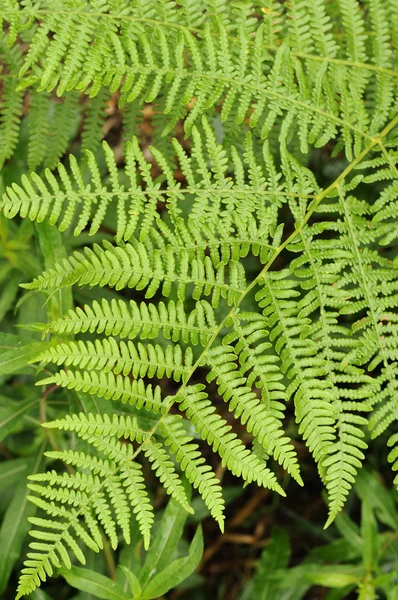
<point>198,269</point>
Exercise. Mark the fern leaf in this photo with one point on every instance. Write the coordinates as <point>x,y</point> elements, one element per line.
<point>109,386</point>
<point>313,397</point>
<point>70,200</point>
<point>262,418</point>
<point>146,321</point>
<point>217,433</point>
<point>165,471</point>
<point>191,463</point>
<point>12,101</point>
<point>127,358</point>
<point>139,499</point>
<point>129,266</point>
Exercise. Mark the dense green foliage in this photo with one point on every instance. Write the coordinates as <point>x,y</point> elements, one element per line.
<point>248,254</point>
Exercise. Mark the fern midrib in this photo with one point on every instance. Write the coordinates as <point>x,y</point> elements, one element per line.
<point>246,191</point>
<point>288,339</point>
<point>201,359</point>
<point>197,30</point>
<point>73,324</point>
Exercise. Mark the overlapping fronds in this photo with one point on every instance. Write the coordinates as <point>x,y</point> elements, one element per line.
<point>257,367</point>
<point>216,431</point>
<point>291,64</point>
<point>342,274</point>
<point>339,373</point>
<point>247,205</point>
<point>260,283</point>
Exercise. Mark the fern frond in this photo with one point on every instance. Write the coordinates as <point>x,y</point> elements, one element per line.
<point>39,129</point>
<point>118,475</point>
<point>393,455</point>
<point>85,425</point>
<point>257,367</point>
<point>350,388</point>
<point>104,495</point>
<point>102,499</point>
<point>343,465</point>
<point>131,266</point>
<point>165,471</point>
<point>255,88</point>
<point>191,462</point>
<point>197,237</point>
<point>107,355</point>
<point>217,433</point>
<point>146,321</point>
<point>62,127</point>
<point>56,543</point>
<point>133,480</point>
<point>306,371</point>
<point>192,66</point>
<point>76,491</point>
<point>101,432</point>
<point>110,387</point>
<point>71,200</point>
<point>94,118</point>
<point>12,101</point>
